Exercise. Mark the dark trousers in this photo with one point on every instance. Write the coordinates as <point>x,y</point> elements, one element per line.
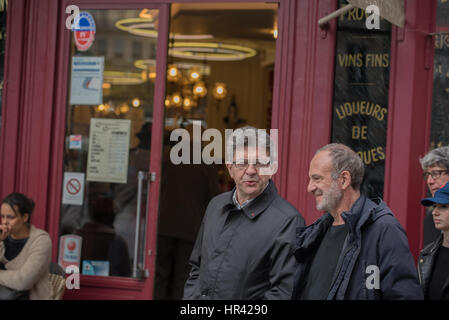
<point>172,267</point>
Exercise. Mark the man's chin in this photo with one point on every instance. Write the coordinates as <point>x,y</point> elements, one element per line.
<point>252,192</point>
<point>321,207</point>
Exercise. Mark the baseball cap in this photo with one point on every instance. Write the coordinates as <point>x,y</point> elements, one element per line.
<point>441,196</point>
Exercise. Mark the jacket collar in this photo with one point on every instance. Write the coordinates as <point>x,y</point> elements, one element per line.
<point>309,238</point>
<point>362,213</point>
<point>258,204</point>
<point>356,217</point>
<point>431,247</point>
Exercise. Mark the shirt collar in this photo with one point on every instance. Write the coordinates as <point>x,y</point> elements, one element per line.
<point>245,203</point>
<point>253,207</point>
<point>237,204</point>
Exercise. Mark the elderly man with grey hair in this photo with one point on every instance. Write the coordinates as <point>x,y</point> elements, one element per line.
<point>244,249</point>
<point>357,250</point>
<point>435,165</point>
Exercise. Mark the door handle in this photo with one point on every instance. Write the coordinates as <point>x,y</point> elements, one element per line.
<point>139,271</point>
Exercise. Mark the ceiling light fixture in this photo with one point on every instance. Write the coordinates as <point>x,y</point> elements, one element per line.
<point>138,26</point>
<point>173,74</point>
<point>220,91</point>
<point>122,78</point>
<point>199,89</point>
<point>136,102</point>
<point>211,51</point>
<point>145,26</point>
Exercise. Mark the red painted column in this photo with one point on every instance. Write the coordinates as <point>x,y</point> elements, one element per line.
<point>35,130</point>
<point>305,93</point>
<point>411,75</point>
<point>12,95</point>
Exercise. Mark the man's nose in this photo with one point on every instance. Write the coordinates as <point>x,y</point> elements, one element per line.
<point>311,186</point>
<point>251,170</point>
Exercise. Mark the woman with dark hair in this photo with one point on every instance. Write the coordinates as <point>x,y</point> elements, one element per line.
<point>25,251</point>
<point>434,258</point>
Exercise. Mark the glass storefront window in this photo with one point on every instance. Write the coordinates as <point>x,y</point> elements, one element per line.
<point>212,46</point>
<point>439,133</point>
<point>360,106</point>
<point>108,135</point>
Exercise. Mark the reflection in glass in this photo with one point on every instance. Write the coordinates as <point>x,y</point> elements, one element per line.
<point>439,132</point>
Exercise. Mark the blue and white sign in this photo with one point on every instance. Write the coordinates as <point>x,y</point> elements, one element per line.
<point>84,30</point>
<point>87,80</point>
<point>75,141</point>
<point>96,267</point>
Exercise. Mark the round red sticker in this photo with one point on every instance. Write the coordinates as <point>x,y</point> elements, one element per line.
<point>84,31</point>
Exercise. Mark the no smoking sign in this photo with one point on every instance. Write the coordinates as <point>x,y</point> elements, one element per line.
<point>73,190</point>
<point>73,186</point>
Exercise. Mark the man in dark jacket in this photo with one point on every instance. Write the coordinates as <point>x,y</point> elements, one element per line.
<point>244,249</point>
<point>357,250</point>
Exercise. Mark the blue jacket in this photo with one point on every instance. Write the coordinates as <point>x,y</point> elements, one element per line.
<point>375,262</point>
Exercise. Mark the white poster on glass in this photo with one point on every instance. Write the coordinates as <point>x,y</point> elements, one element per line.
<point>87,80</point>
<point>107,160</point>
<point>73,190</point>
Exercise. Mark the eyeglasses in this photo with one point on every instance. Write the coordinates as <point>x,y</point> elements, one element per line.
<point>435,174</point>
<point>245,164</point>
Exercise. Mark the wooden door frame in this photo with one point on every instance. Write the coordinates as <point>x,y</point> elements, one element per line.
<point>113,287</point>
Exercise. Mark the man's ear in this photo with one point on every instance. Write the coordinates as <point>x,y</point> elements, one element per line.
<point>229,166</point>
<point>345,180</point>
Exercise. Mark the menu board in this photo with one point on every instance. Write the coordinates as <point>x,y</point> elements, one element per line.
<point>360,105</point>
<point>107,160</point>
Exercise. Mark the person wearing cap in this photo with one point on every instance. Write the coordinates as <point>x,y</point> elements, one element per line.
<point>435,165</point>
<point>433,263</point>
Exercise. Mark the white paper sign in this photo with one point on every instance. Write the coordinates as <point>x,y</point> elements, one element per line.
<point>107,160</point>
<point>87,80</point>
<point>73,190</point>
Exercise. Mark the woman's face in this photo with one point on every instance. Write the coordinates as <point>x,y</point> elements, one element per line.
<point>12,221</point>
<point>441,216</point>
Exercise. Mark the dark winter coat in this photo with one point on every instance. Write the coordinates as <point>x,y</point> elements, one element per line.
<point>375,262</point>
<point>245,254</point>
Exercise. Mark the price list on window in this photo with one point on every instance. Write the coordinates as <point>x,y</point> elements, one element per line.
<point>108,150</point>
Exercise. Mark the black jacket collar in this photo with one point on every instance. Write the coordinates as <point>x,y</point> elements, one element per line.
<point>362,213</point>
<point>431,247</point>
<point>259,204</point>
